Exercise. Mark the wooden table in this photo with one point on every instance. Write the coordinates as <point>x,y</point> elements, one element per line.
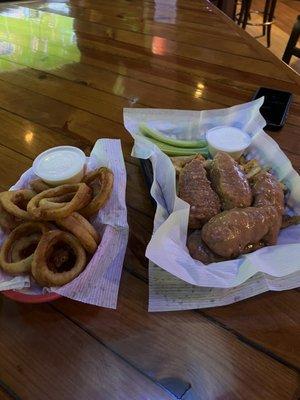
<point>67,71</point>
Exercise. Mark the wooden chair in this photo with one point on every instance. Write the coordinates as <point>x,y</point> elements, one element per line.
<point>268,17</point>
<point>291,49</point>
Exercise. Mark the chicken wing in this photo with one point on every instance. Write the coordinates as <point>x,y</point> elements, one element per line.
<point>267,191</point>
<point>230,233</point>
<point>230,182</point>
<point>195,189</point>
<point>199,251</point>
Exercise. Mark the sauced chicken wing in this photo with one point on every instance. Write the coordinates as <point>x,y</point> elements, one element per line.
<point>230,182</point>
<point>199,251</point>
<point>195,189</point>
<point>267,191</point>
<point>230,233</point>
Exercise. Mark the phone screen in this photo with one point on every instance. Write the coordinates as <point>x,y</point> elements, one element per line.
<point>275,106</point>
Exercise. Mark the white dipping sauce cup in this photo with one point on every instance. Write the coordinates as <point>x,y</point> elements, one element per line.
<point>60,165</point>
<point>228,139</point>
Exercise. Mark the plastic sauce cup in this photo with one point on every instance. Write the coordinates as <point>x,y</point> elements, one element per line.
<point>227,139</point>
<point>60,165</point>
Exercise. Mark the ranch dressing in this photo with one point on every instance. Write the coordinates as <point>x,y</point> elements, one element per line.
<point>60,165</point>
<point>228,139</point>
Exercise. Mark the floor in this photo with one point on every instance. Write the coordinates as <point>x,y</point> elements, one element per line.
<point>286,13</point>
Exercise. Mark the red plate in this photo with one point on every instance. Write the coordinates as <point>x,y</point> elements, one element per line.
<point>30,298</point>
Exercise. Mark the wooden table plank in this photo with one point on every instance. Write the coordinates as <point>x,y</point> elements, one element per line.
<point>202,71</point>
<point>13,162</point>
<point>41,109</point>
<point>108,100</point>
<point>180,4</point>
<point>30,139</point>
<point>272,320</point>
<point>185,53</point>
<point>5,393</point>
<point>185,346</point>
<point>139,23</point>
<point>43,355</point>
<point>116,83</point>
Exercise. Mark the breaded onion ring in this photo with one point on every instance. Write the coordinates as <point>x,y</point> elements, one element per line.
<point>7,221</point>
<point>106,180</point>
<point>82,229</point>
<point>22,231</point>
<point>15,202</point>
<point>80,199</point>
<point>24,247</point>
<point>58,259</point>
<point>58,201</point>
<point>38,185</point>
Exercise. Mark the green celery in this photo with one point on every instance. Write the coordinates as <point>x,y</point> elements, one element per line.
<point>178,151</point>
<point>158,136</point>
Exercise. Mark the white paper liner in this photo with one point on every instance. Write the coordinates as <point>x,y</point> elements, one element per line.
<point>168,293</point>
<point>99,283</point>
<point>170,261</point>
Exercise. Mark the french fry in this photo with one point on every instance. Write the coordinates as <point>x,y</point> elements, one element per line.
<point>242,160</point>
<point>180,161</point>
<point>253,172</point>
<point>251,168</point>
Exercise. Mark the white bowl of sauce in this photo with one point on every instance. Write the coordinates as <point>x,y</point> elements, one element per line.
<point>228,139</point>
<point>60,165</point>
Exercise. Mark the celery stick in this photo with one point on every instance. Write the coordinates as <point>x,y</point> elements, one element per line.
<point>155,134</point>
<point>178,151</point>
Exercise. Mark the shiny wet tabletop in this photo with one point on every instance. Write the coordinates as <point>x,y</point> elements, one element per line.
<point>67,69</point>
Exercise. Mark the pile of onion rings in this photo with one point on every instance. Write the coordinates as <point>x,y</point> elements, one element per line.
<point>48,232</point>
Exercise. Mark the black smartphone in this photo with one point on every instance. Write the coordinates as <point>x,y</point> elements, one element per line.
<point>275,107</point>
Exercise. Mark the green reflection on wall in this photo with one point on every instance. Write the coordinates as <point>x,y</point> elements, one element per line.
<point>36,39</point>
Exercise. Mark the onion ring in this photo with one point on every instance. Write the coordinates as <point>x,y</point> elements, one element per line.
<point>7,221</point>
<point>15,202</point>
<point>38,185</point>
<point>58,201</point>
<point>80,199</point>
<point>47,270</point>
<point>22,231</point>
<point>106,180</point>
<point>82,229</point>
<point>23,246</point>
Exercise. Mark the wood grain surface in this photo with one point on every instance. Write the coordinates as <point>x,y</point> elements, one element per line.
<point>36,340</point>
<point>70,87</point>
<point>214,354</point>
<point>5,392</point>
